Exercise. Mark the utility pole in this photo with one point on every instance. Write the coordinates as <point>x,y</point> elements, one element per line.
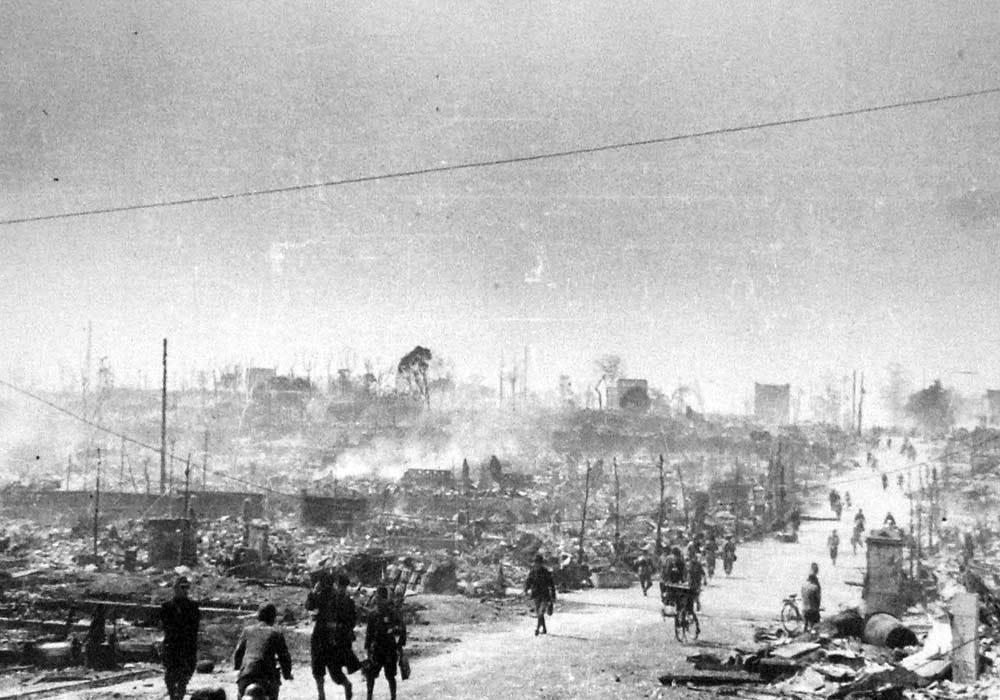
<point>187,500</point>
<point>861,400</point>
<point>618,494</point>
<point>97,500</point>
<point>204,465</point>
<point>684,500</point>
<point>500,378</point>
<point>524,384</point>
<point>659,512</point>
<point>85,379</point>
<point>736,498</point>
<point>854,397</point>
<point>583,518</point>
<point>121,469</point>
<point>163,424</point>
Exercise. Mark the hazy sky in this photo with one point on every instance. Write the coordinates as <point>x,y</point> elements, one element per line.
<point>783,254</point>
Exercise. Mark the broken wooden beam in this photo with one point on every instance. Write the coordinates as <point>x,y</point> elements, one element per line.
<point>712,678</point>
<point>75,686</point>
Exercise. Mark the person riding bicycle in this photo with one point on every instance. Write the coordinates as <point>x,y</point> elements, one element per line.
<point>695,579</point>
<point>672,573</point>
<point>728,555</point>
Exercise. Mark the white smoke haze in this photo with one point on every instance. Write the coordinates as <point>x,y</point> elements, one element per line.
<point>35,442</point>
<point>443,440</point>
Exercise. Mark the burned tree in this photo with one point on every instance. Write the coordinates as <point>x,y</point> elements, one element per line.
<point>413,369</point>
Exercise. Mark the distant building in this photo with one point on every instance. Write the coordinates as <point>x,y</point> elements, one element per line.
<point>629,394</point>
<point>771,403</point>
<point>258,377</point>
<point>428,478</point>
<point>993,406</point>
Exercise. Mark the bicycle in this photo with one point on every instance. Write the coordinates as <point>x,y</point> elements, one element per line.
<point>791,617</point>
<point>685,618</point>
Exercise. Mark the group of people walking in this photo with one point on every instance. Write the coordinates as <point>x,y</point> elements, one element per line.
<point>261,656</point>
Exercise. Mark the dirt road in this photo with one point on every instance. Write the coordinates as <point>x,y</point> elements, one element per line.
<point>614,643</point>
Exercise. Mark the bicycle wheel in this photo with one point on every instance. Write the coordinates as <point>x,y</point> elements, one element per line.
<point>681,625</point>
<point>791,619</point>
<point>693,623</point>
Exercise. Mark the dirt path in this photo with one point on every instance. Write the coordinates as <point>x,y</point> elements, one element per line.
<point>614,643</point>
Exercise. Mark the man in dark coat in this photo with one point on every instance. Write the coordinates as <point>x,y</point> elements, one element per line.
<point>385,637</point>
<point>180,618</point>
<point>811,598</point>
<point>542,588</point>
<point>259,652</point>
<point>333,633</point>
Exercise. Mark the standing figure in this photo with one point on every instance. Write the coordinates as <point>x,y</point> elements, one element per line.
<point>262,656</point>
<point>180,618</point>
<point>711,549</point>
<point>385,638</point>
<point>333,633</point>
<point>728,555</point>
<point>859,520</point>
<point>644,567</point>
<point>833,544</point>
<point>885,482</point>
<point>811,598</point>
<point>542,589</point>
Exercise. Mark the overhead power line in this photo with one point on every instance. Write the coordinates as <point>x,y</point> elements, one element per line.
<point>133,441</point>
<point>550,155</point>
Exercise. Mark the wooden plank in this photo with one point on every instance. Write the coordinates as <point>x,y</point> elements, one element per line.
<point>75,686</point>
<point>713,678</point>
<point>794,650</point>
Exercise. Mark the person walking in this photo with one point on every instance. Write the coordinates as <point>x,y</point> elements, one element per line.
<point>833,544</point>
<point>711,550</point>
<point>262,656</point>
<point>385,637</point>
<point>728,555</point>
<point>812,595</point>
<point>644,567</point>
<point>180,618</point>
<point>333,633</point>
<point>542,588</point>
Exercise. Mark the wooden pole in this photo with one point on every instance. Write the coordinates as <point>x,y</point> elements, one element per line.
<point>659,512</point>
<point>163,424</point>
<point>736,499</point>
<point>583,517</point>
<point>204,465</point>
<point>684,500</point>
<point>121,469</point>
<point>861,400</point>
<point>97,499</point>
<point>618,494</point>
